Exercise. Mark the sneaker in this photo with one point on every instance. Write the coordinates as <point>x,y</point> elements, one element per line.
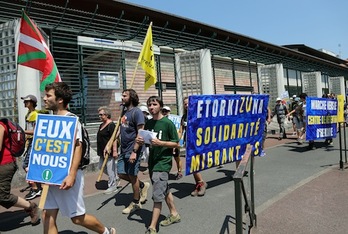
<point>263,153</point>
<point>111,230</point>
<point>143,192</point>
<point>151,231</point>
<point>32,194</point>
<point>199,189</point>
<point>118,182</point>
<point>131,208</point>
<point>170,220</point>
<point>33,212</point>
<point>179,176</point>
<point>202,189</point>
<point>112,189</point>
<point>195,192</point>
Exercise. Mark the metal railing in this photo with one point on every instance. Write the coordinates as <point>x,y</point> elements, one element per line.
<point>244,194</point>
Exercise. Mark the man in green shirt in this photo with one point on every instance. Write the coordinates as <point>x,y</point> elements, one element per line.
<point>160,162</point>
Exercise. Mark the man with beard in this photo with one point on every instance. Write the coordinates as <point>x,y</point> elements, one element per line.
<point>129,159</point>
<point>68,197</point>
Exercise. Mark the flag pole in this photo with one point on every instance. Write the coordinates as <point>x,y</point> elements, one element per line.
<point>134,73</point>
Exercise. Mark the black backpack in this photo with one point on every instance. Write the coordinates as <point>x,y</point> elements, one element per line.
<point>86,145</point>
<point>16,137</point>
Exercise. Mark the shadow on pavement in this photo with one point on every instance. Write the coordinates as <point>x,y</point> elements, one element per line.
<point>143,216</point>
<point>183,189</point>
<point>11,220</point>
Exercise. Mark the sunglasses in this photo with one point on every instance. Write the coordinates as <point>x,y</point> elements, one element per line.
<point>101,115</point>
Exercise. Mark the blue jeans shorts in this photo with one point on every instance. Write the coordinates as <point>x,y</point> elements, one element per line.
<point>127,168</point>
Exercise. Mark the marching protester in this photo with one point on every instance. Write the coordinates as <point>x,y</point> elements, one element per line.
<point>293,104</point>
<point>302,107</point>
<point>297,119</point>
<point>8,167</point>
<point>176,151</point>
<point>129,159</point>
<point>329,141</point>
<point>104,134</point>
<point>160,163</point>
<point>68,197</point>
<point>30,121</point>
<point>280,110</point>
<point>201,185</point>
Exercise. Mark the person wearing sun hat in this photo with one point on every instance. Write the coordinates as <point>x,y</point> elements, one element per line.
<point>280,110</point>
<point>166,110</point>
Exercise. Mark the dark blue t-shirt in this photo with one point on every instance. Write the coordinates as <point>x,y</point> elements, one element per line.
<point>129,128</point>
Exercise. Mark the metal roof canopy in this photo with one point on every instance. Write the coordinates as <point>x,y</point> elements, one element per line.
<point>117,20</point>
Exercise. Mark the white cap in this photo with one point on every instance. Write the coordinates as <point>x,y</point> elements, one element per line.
<point>166,108</point>
<point>293,96</point>
<point>279,99</point>
<point>144,109</point>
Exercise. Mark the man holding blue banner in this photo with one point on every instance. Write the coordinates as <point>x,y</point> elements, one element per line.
<point>68,196</point>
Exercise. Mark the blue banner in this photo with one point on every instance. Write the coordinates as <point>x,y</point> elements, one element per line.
<point>52,149</point>
<point>221,126</point>
<point>321,118</point>
<point>176,119</point>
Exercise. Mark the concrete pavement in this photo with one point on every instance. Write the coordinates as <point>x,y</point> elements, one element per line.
<point>296,191</point>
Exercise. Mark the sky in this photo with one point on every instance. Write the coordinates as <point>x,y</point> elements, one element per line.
<point>319,24</point>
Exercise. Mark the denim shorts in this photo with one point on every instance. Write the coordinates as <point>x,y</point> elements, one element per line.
<point>125,167</point>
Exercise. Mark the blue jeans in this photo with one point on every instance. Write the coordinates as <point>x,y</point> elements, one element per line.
<point>125,167</point>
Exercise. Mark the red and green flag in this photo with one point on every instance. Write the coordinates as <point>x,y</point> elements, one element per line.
<point>33,52</point>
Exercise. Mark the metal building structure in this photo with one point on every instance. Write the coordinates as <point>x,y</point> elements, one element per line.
<point>235,58</point>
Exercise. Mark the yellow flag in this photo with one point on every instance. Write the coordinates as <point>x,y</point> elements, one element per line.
<point>147,59</point>
<point>340,110</point>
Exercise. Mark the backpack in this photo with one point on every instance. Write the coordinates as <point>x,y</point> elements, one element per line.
<point>16,137</point>
<point>86,145</point>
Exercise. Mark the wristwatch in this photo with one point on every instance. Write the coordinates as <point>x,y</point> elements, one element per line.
<point>135,151</point>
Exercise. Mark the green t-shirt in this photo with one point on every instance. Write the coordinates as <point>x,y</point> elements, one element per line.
<point>160,158</point>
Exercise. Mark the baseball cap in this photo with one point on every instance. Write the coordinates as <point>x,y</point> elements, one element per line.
<point>279,99</point>
<point>144,109</point>
<point>166,108</point>
<point>293,96</point>
<point>29,97</point>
